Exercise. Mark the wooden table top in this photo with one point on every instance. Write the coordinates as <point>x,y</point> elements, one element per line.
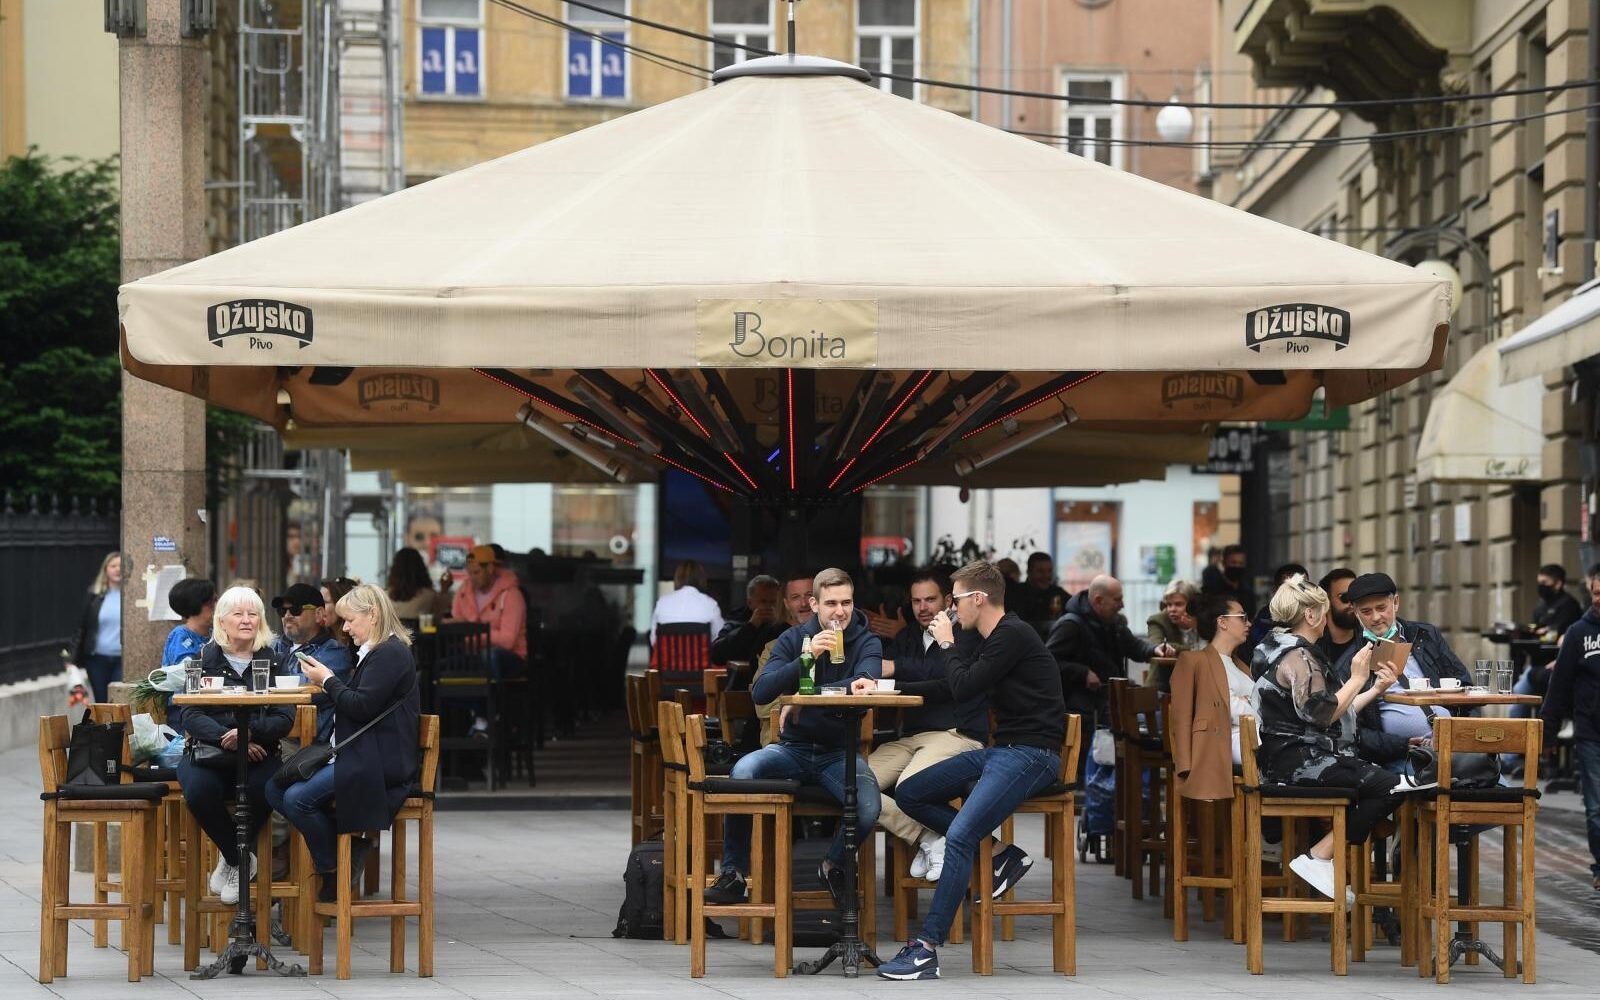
<point>232,699</point>
<point>889,699</point>
<point>1459,698</point>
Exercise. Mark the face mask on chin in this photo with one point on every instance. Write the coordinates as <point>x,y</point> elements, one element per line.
<point>1234,573</point>
<point>1372,636</point>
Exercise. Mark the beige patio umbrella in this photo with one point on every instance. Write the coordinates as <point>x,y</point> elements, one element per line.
<point>793,225</point>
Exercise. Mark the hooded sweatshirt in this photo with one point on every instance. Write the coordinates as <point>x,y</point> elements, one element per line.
<point>824,728</point>
<point>506,612</point>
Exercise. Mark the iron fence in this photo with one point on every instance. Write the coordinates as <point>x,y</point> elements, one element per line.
<point>50,551</point>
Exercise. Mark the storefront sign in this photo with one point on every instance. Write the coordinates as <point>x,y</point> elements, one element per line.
<point>787,333</point>
<point>1232,451</point>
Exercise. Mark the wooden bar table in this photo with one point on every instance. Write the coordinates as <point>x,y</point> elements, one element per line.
<point>849,949</point>
<point>242,931</point>
<point>1453,699</point>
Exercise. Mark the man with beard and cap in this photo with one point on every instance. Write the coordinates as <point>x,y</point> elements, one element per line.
<point>1387,729</point>
<point>1343,628</point>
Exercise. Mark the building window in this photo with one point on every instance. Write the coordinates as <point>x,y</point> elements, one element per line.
<point>450,49</point>
<point>886,39</point>
<point>597,67</point>
<point>1093,129</point>
<point>736,23</point>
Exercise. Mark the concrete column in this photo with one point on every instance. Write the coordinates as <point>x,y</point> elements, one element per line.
<point>165,91</point>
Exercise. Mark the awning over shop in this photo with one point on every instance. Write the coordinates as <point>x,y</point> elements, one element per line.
<point>1480,429</point>
<point>1563,336</point>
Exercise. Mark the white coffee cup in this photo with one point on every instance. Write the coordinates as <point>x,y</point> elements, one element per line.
<point>1420,684</point>
<point>885,683</point>
<point>287,680</point>
<point>1449,683</point>
<point>211,683</point>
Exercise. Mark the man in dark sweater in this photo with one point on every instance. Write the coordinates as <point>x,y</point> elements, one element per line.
<point>1019,677</point>
<point>747,630</point>
<point>811,741</point>
<point>1575,694</point>
<point>938,730</point>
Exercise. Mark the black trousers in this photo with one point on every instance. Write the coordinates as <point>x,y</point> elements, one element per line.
<point>1374,788</point>
<point>209,792</point>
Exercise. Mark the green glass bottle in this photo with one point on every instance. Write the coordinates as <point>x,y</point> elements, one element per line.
<point>808,666</point>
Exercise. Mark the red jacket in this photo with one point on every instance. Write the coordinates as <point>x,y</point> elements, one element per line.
<point>506,612</point>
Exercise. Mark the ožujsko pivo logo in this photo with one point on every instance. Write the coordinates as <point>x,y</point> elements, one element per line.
<point>787,333</point>
<point>261,320</point>
<point>1295,323</point>
<point>397,391</point>
<point>1202,390</point>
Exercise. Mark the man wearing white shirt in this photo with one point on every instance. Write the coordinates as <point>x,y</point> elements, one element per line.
<point>688,602</point>
<point>939,729</point>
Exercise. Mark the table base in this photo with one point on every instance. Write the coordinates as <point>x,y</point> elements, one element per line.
<point>240,950</point>
<point>850,955</point>
<point>1464,943</point>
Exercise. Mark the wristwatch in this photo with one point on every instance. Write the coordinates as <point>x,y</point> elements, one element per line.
<point>946,644</point>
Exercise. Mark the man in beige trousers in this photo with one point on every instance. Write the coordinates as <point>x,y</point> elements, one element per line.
<point>938,730</point>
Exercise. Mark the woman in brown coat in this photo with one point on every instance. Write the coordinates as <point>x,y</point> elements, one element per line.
<point>1204,705</point>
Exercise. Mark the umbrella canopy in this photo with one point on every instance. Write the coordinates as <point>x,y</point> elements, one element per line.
<point>785,225</point>
<point>1480,431</point>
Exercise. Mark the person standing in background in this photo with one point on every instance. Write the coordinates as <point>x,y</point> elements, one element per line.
<point>99,647</point>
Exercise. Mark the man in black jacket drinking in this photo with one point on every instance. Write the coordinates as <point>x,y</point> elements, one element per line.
<point>1018,675</point>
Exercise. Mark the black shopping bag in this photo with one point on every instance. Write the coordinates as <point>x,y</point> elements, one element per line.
<point>94,756</point>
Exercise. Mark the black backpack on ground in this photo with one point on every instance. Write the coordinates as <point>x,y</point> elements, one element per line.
<point>642,893</point>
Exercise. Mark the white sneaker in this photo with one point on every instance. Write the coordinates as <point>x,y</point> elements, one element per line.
<point>935,849</point>
<point>230,882</point>
<point>1410,784</point>
<point>218,876</point>
<point>920,861</point>
<point>1318,874</point>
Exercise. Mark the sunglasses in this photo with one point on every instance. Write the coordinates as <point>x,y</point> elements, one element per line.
<point>969,593</point>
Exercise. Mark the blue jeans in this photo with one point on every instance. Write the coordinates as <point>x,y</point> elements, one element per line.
<point>1524,685</point>
<point>809,765</point>
<point>305,805</point>
<point>1005,776</point>
<point>102,670</point>
<point>1587,755</point>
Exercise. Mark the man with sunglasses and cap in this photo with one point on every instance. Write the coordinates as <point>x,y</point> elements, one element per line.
<point>305,630</point>
<point>1385,730</point>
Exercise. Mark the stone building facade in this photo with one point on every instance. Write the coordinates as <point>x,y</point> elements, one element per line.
<point>1500,198</point>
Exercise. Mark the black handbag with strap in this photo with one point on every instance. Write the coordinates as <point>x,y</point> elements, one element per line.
<point>313,757</point>
<point>94,757</point>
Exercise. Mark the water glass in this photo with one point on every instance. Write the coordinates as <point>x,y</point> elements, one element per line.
<point>1503,674</point>
<point>1483,674</point>
<point>260,675</point>
<point>191,675</point>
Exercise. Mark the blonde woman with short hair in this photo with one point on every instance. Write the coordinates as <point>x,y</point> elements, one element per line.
<point>1307,722</point>
<point>99,647</point>
<point>372,773</point>
<point>239,635</point>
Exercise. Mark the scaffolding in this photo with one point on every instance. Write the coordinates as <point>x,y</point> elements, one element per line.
<point>282,517</point>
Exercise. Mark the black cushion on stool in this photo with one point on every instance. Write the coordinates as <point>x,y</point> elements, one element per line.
<point>816,795</point>
<point>139,790</point>
<point>1496,794</point>
<point>746,786</point>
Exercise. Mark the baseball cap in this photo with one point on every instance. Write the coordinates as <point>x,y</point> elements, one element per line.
<point>297,598</point>
<point>484,555</point>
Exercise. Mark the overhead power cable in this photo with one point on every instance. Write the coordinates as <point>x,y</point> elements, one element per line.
<point>659,59</point>
<point>1130,102</point>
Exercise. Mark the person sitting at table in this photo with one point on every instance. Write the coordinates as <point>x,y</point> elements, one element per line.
<point>369,777</point>
<point>493,597</point>
<point>207,772</point>
<point>195,601</point>
<point>936,731</point>
<point>798,589</point>
<point>305,631</point>
<point>332,590</point>
<point>1386,730</point>
<point>1575,694</point>
<point>1211,690</point>
<point>811,742</point>
<point>748,629</point>
<point>688,603</point>
<point>1174,625</point>
<point>1263,623</point>
<point>1013,669</point>
<point>1306,717</point>
<point>410,587</point>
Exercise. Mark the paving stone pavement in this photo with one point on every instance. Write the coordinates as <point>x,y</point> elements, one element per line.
<point>526,902</point>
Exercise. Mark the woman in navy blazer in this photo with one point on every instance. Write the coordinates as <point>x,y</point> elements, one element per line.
<point>369,778</point>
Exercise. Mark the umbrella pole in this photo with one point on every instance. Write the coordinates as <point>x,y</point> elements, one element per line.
<point>791,27</point>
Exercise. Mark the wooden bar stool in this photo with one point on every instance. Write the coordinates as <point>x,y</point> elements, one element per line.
<point>1289,803</point>
<point>1372,892</point>
<point>134,808</point>
<point>675,836</point>
<point>1058,804</point>
<point>767,803</point>
<point>1122,830</point>
<point>418,808</point>
<point>1513,809</point>
<point>1145,829</point>
<point>644,770</point>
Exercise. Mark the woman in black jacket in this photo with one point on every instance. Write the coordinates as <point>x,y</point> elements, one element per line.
<point>98,649</point>
<point>370,775</point>
<point>239,635</point>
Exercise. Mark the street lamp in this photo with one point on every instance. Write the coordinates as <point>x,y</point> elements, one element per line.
<point>1175,122</point>
<point>1442,269</point>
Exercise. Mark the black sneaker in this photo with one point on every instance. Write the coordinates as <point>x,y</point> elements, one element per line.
<point>360,848</point>
<point>1009,867</point>
<point>729,888</point>
<point>327,887</point>
<point>833,879</point>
